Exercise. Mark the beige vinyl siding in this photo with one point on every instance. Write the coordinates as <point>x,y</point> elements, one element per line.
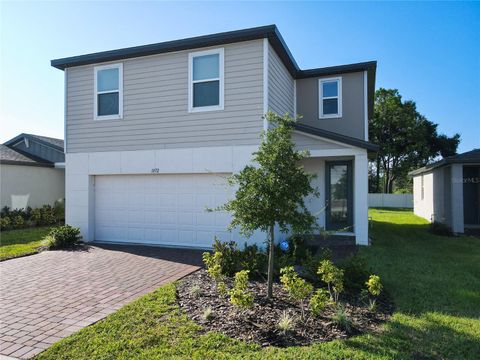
<point>280,85</point>
<point>155,110</point>
<point>352,122</point>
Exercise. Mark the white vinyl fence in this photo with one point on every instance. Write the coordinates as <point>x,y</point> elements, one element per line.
<point>390,200</point>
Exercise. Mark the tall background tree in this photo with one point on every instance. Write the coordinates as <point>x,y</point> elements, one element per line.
<point>272,191</point>
<point>407,140</point>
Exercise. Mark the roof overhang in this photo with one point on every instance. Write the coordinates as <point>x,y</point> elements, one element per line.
<point>19,138</point>
<point>441,163</point>
<point>371,148</point>
<point>270,32</point>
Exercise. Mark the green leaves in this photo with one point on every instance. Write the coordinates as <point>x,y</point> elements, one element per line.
<point>297,288</point>
<point>273,191</point>
<point>239,295</point>
<point>407,139</point>
<point>374,286</point>
<point>333,277</point>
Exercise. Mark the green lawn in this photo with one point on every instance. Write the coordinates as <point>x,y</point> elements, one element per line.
<point>16,243</point>
<point>435,282</point>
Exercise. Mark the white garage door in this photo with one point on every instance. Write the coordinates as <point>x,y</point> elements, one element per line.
<point>161,209</point>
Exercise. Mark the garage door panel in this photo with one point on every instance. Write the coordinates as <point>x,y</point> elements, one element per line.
<point>161,209</point>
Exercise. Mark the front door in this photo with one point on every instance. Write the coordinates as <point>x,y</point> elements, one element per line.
<point>339,196</point>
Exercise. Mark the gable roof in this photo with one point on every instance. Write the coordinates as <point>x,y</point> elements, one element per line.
<point>10,156</point>
<point>270,32</point>
<point>337,137</point>
<point>469,157</point>
<point>54,143</point>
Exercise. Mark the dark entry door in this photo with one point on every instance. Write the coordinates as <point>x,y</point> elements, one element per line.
<point>471,195</point>
<point>339,196</point>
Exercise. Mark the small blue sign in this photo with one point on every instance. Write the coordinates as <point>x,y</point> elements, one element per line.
<point>284,245</point>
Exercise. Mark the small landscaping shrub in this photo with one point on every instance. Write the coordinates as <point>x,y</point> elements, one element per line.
<point>254,260</point>
<point>374,287</point>
<point>59,210</point>
<point>297,288</point>
<point>239,295</point>
<point>286,322</point>
<point>214,270</point>
<point>196,291</point>
<point>64,237</point>
<point>18,222</point>
<point>441,229</point>
<point>5,223</point>
<point>355,271</point>
<point>333,277</point>
<point>319,301</point>
<point>230,261</point>
<point>207,314</point>
<point>342,320</point>
<point>47,215</point>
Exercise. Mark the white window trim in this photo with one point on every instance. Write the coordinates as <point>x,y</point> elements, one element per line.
<point>221,56</point>
<point>321,98</point>
<point>118,66</point>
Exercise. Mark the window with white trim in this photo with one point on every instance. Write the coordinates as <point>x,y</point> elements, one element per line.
<point>205,80</point>
<point>108,92</point>
<point>330,98</point>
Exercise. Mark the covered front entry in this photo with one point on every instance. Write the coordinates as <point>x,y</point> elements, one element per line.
<point>161,209</point>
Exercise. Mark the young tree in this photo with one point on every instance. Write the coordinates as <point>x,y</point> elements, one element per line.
<point>271,192</point>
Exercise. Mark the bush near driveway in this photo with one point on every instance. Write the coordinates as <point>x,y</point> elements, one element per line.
<point>63,237</point>
<point>434,280</point>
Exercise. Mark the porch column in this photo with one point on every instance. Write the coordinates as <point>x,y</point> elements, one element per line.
<point>457,198</point>
<point>360,201</point>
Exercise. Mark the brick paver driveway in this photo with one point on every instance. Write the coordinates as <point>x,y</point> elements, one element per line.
<point>48,296</point>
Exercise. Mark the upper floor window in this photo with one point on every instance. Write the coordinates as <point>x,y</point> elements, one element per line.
<point>108,92</point>
<point>205,80</point>
<point>330,101</point>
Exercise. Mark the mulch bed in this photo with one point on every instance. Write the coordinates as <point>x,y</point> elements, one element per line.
<point>259,324</point>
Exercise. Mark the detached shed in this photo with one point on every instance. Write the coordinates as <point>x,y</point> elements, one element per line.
<point>448,191</point>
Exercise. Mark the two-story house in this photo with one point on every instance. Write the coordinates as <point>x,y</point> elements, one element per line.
<point>152,132</point>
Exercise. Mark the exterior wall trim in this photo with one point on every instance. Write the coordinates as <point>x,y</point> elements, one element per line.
<point>365,102</point>
<point>265,82</point>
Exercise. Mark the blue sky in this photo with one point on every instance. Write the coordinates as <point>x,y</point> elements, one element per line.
<point>429,51</point>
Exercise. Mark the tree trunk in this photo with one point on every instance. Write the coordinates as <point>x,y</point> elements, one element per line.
<point>271,243</point>
<point>378,175</point>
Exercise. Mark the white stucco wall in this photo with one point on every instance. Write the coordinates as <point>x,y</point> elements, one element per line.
<point>81,169</point>
<point>423,207</point>
<point>22,186</point>
<point>443,196</point>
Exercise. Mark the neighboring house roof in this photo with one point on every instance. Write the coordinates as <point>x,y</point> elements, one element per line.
<point>469,157</point>
<point>337,137</point>
<point>270,31</point>
<point>48,141</point>
<point>10,156</point>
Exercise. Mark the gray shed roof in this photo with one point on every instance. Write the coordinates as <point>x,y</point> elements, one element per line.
<point>469,157</point>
